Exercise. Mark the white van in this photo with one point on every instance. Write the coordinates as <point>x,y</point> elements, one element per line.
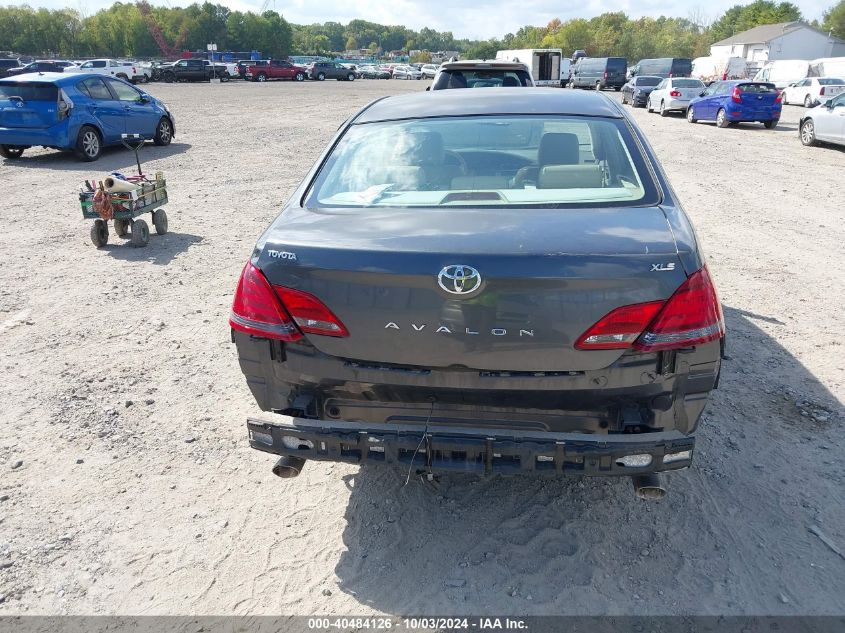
<point>783,72</point>
<point>544,64</point>
<point>828,67</point>
<point>710,69</point>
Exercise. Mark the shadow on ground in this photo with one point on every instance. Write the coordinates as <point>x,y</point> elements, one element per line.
<point>112,159</point>
<point>160,250</point>
<point>731,537</point>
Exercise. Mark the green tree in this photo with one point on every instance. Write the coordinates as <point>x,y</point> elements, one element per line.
<point>740,18</point>
<point>834,19</point>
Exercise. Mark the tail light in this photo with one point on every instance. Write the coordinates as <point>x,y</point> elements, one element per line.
<point>257,310</point>
<point>670,75</point>
<point>724,76</point>
<point>779,98</point>
<point>309,313</point>
<point>821,92</point>
<point>277,312</point>
<point>675,93</point>
<point>736,95</point>
<point>691,316</point>
<point>64,105</point>
<point>133,71</point>
<point>605,74</point>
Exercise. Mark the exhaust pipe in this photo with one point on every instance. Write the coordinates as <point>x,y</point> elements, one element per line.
<point>288,467</point>
<point>649,487</point>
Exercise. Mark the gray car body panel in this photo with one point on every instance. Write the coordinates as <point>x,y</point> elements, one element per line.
<point>550,271</point>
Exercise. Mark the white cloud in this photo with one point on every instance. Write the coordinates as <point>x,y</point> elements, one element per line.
<point>482,19</point>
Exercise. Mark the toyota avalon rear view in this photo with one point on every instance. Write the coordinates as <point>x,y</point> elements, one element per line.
<point>485,282</point>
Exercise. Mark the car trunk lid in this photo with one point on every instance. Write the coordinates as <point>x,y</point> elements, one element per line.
<point>27,104</point>
<point>392,276</point>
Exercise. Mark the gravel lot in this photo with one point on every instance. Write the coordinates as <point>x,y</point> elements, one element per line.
<point>127,484</point>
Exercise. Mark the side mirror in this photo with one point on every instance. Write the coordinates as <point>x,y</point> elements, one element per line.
<point>428,88</point>
<point>702,93</point>
<point>145,98</point>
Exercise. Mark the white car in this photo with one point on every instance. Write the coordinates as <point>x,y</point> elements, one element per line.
<point>825,122</point>
<point>406,72</point>
<point>674,93</point>
<point>813,90</point>
<point>428,71</point>
<point>108,67</point>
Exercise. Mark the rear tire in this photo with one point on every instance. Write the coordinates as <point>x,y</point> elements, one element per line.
<point>261,77</point>
<point>648,105</point>
<point>299,77</point>
<point>160,221</point>
<point>100,233</point>
<point>691,115</point>
<point>722,119</point>
<point>769,124</point>
<point>89,145</point>
<point>10,151</point>
<point>624,99</point>
<point>168,78</point>
<point>164,132</point>
<point>350,77</point>
<point>140,233</point>
<point>321,76</point>
<point>598,86</point>
<point>808,103</point>
<point>663,111</point>
<point>808,133</point>
<point>121,227</point>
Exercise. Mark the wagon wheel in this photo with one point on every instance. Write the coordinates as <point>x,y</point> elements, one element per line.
<point>140,233</point>
<point>100,233</point>
<point>121,227</point>
<point>160,221</point>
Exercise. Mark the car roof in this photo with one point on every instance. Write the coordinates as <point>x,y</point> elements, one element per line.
<point>55,78</point>
<point>653,77</point>
<point>474,102</point>
<point>482,63</point>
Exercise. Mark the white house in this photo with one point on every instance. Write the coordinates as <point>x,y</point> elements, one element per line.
<point>787,40</point>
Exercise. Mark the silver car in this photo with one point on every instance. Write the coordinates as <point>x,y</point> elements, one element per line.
<point>674,94</point>
<point>824,123</point>
<point>406,72</point>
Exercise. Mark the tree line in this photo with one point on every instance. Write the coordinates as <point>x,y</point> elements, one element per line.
<point>121,31</point>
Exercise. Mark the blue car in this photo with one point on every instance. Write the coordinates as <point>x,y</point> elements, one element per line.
<point>81,112</point>
<point>737,101</point>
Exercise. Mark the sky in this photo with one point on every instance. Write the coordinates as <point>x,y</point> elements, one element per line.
<point>477,19</point>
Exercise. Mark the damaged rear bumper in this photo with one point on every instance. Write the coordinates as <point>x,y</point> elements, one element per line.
<point>473,450</point>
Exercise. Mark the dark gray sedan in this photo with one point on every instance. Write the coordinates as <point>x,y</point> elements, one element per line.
<point>637,89</point>
<point>482,281</point>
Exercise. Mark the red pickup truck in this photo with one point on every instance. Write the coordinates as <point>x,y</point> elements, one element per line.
<point>266,69</point>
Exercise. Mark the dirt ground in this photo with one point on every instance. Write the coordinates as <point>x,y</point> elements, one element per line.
<point>127,484</point>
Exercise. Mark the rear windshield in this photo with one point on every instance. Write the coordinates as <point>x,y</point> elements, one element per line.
<point>487,78</point>
<point>28,91</point>
<point>648,81</point>
<point>617,63</point>
<point>831,81</point>
<point>514,160</point>
<point>9,63</point>
<point>687,83</point>
<point>757,88</point>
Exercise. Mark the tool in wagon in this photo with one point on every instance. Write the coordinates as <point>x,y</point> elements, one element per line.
<point>122,199</point>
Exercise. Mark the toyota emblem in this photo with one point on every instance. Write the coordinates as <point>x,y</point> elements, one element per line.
<point>458,279</point>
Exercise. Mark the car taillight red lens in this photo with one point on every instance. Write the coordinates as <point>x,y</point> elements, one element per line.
<point>821,92</point>
<point>257,310</point>
<point>779,98</point>
<point>692,316</point>
<point>675,93</point>
<point>309,313</point>
<point>619,328</point>
<point>736,95</point>
<point>605,74</point>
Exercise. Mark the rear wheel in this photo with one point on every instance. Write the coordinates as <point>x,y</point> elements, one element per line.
<point>100,233</point>
<point>350,77</point>
<point>262,77</point>
<point>321,76</point>
<point>598,86</point>
<point>663,110</point>
<point>10,151</point>
<point>89,146</point>
<point>122,76</point>
<point>121,227</point>
<point>169,78</point>
<point>722,118</point>
<point>808,133</point>
<point>164,132</point>
<point>140,233</point>
<point>160,221</point>
<point>808,102</point>
<point>225,77</point>
<point>648,105</point>
<point>624,98</point>
<point>769,124</point>
<point>691,115</point>
<point>299,77</point>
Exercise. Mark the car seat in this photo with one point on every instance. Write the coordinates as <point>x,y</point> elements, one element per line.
<point>510,82</point>
<point>556,148</point>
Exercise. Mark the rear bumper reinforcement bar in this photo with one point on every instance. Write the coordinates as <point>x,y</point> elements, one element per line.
<point>472,450</point>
